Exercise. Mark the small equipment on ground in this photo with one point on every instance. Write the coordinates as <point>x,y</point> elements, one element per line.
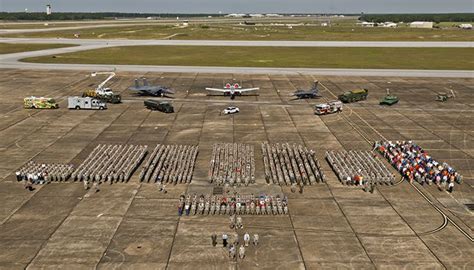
<point>231,110</point>
<point>162,106</point>
<point>328,108</point>
<point>442,97</point>
<point>39,103</point>
<point>85,103</point>
<point>354,95</point>
<point>389,99</point>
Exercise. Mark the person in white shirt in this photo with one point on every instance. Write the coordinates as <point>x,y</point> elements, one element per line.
<point>246,239</point>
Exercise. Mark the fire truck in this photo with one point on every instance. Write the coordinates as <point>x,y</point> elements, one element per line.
<point>328,108</point>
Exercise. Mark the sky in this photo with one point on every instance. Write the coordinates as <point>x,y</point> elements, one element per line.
<point>243,6</point>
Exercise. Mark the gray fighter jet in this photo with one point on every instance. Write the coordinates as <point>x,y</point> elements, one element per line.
<point>311,93</point>
<point>150,90</point>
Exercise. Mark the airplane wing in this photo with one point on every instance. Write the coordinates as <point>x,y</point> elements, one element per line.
<point>218,90</point>
<point>246,90</point>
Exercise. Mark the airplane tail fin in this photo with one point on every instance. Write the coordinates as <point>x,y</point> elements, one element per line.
<point>145,82</point>
<point>316,82</point>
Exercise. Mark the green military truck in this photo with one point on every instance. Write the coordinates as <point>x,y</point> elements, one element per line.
<point>39,103</point>
<point>162,106</point>
<point>354,95</point>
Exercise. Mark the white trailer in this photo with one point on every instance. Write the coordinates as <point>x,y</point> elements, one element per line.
<point>87,103</point>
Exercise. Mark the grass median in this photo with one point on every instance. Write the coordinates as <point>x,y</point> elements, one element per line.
<point>17,47</point>
<point>228,31</point>
<point>287,57</point>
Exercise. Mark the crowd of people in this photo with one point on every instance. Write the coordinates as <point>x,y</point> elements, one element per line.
<point>415,164</point>
<point>286,165</point>
<point>42,173</point>
<point>169,164</point>
<point>232,204</point>
<point>110,163</point>
<point>359,168</point>
<point>235,247</point>
<point>232,164</point>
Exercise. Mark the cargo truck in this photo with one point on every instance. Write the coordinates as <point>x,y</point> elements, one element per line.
<point>354,95</point>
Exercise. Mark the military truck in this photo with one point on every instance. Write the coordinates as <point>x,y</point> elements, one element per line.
<point>162,106</point>
<point>39,103</point>
<point>87,103</point>
<point>354,95</point>
<point>105,97</point>
<point>328,108</point>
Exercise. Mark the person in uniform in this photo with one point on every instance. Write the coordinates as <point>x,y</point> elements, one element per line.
<point>96,186</point>
<point>242,252</point>
<point>255,239</point>
<point>86,184</point>
<point>214,239</point>
<point>225,237</point>
<point>246,239</point>
<point>239,222</point>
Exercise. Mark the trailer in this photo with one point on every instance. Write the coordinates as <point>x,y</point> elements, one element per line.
<point>328,108</point>
<point>87,103</point>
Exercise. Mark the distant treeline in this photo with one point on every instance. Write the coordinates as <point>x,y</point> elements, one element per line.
<point>65,16</point>
<point>448,17</point>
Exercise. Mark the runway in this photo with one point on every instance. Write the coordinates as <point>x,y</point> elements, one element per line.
<point>250,43</point>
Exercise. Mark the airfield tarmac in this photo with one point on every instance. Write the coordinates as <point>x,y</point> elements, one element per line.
<point>132,225</point>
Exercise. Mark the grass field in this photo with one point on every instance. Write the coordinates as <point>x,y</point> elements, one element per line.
<point>341,31</point>
<point>322,57</point>
<point>15,47</point>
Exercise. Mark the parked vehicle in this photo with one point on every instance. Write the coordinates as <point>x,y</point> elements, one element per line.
<point>354,95</point>
<point>87,103</point>
<point>231,110</point>
<point>328,108</point>
<point>107,96</point>
<point>39,103</point>
<point>162,106</point>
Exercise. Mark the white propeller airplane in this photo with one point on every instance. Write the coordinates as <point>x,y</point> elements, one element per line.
<point>232,90</point>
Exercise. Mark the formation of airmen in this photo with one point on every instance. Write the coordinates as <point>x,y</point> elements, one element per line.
<point>287,165</point>
<point>170,164</point>
<point>359,167</point>
<point>40,173</point>
<point>110,163</point>
<point>232,205</point>
<point>415,164</point>
<point>232,164</point>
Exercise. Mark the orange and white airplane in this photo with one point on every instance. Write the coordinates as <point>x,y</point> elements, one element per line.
<point>232,90</point>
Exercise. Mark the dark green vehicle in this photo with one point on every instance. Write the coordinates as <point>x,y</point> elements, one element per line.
<point>389,100</point>
<point>354,95</point>
<point>162,106</point>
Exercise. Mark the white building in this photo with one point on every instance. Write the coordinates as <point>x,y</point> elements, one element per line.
<point>421,25</point>
<point>465,26</point>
